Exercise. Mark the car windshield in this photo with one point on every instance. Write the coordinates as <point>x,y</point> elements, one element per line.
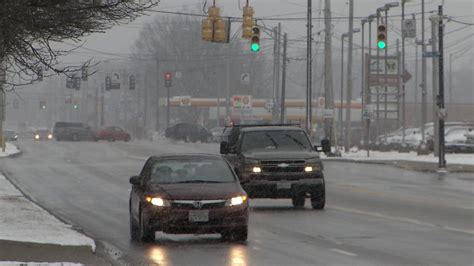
<point>275,139</point>
<point>195,170</point>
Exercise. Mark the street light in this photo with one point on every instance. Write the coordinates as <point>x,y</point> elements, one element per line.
<point>344,35</point>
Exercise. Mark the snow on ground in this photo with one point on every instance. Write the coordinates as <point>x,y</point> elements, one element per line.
<point>9,150</point>
<point>361,155</point>
<point>23,221</point>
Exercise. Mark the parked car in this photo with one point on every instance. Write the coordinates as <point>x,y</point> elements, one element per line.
<point>188,133</point>
<point>188,194</point>
<point>10,135</point>
<point>73,131</point>
<point>43,134</point>
<point>113,134</point>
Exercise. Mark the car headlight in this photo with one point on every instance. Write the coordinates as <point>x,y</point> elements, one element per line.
<point>159,202</point>
<point>50,136</point>
<point>15,137</point>
<point>37,136</point>
<point>235,201</point>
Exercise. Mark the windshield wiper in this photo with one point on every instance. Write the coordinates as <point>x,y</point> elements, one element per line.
<point>272,140</point>
<point>197,181</point>
<point>296,141</point>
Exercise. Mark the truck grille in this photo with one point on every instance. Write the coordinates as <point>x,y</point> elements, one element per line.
<point>286,166</point>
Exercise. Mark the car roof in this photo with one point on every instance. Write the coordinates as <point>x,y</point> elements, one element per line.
<point>187,156</point>
<point>271,128</point>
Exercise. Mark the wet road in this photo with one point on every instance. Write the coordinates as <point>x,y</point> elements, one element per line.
<point>375,214</point>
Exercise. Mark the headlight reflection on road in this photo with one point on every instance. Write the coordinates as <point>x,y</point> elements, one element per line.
<point>158,256</point>
<point>238,256</point>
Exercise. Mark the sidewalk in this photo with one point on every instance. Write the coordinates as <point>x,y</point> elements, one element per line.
<point>10,150</point>
<point>455,162</point>
<point>28,233</point>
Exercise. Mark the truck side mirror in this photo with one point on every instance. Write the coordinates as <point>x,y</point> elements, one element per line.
<point>326,145</point>
<point>224,149</point>
<point>135,180</point>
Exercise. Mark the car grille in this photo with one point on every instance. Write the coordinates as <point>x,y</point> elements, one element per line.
<point>285,166</point>
<point>191,204</point>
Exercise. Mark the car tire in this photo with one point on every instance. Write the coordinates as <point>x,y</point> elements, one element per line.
<point>239,234</point>
<point>318,199</point>
<point>298,201</point>
<point>134,229</point>
<point>146,233</point>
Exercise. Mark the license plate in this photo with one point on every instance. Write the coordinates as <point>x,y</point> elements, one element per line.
<point>283,185</point>
<point>198,216</point>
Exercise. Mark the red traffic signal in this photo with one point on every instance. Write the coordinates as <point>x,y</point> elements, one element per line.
<point>168,79</point>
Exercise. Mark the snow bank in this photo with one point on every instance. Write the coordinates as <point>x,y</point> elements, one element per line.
<point>10,149</point>
<point>23,221</point>
<point>361,155</point>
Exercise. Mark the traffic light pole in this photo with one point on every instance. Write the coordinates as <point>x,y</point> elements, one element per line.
<point>385,87</point>
<point>423,72</point>
<point>435,79</point>
<point>403,73</point>
<point>328,80</point>
<point>309,63</point>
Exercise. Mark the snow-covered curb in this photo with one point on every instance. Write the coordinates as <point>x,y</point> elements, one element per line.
<point>361,156</point>
<point>10,150</point>
<point>23,221</point>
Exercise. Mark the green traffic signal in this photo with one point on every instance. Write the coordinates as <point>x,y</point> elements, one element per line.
<point>43,107</point>
<point>381,45</point>
<point>255,47</point>
<point>75,106</point>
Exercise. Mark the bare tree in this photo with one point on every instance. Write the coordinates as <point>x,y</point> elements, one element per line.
<point>29,30</point>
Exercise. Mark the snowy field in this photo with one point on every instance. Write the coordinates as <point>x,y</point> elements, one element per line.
<point>361,155</point>
<point>9,150</point>
<point>23,221</point>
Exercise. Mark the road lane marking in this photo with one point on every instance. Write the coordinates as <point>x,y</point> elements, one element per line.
<point>347,253</point>
<point>401,219</point>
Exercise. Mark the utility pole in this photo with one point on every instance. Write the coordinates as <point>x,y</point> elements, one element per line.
<point>423,72</point>
<point>157,110</point>
<point>102,109</point>
<point>341,106</point>
<point>442,161</point>
<point>283,81</point>
<point>276,68</point>
<point>362,85</point>
<point>349,77</point>
<point>415,89</point>
<point>328,82</point>
<point>403,73</point>
<point>435,79</point>
<point>367,85</point>
<point>227,95</point>
<point>309,64</point>
<point>385,79</point>
<point>2,100</point>
<point>377,111</point>
<point>451,78</point>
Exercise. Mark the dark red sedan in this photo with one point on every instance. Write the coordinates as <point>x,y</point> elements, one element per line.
<point>113,134</point>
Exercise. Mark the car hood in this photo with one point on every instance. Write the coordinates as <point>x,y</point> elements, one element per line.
<point>199,191</point>
<point>280,155</point>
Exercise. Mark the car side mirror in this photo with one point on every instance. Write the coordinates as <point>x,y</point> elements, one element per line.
<point>224,149</point>
<point>135,180</point>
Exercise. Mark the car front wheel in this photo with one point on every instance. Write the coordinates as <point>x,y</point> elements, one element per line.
<point>134,229</point>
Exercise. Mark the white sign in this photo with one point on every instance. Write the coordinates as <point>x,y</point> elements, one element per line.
<point>409,28</point>
<point>178,75</point>
<point>269,104</point>
<point>185,101</point>
<point>328,113</point>
<point>245,79</point>
<point>392,66</point>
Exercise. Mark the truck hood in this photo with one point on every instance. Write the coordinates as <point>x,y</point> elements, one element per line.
<point>281,155</point>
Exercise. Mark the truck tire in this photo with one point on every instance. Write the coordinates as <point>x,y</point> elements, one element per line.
<point>318,199</point>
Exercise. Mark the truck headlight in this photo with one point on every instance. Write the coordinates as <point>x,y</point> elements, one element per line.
<point>252,166</point>
<point>308,169</point>
<point>313,165</point>
<point>37,136</point>
<point>236,201</point>
<point>257,170</point>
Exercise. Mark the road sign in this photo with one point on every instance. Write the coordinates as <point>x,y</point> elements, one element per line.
<point>185,101</point>
<point>269,104</point>
<point>328,113</point>
<point>115,81</point>
<point>245,79</point>
<point>431,54</point>
<point>178,74</point>
<point>409,28</point>
<point>406,76</point>
<point>321,102</point>
<point>382,80</point>
<point>392,65</point>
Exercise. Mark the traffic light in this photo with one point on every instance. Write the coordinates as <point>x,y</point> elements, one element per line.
<point>42,105</point>
<point>168,79</point>
<point>132,82</point>
<point>255,40</point>
<point>247,22</point>
<point>75,105</point>
<point>214,28</point>
<point>77,83</point>
<point>221,31</point>
<point>382,36</point>
<point>108,83</point>
<point>40,74</point>
<point>84,73</point>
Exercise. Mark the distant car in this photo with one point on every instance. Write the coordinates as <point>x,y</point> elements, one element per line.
<point>73,131</point>
<point>188,194</point>
<point>43,134</point>
<point>10,135</point>
<point>188,133</point>
<point>113,134</point>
